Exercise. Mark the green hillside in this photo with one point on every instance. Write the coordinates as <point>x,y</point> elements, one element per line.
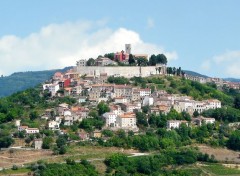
<point>23,80</point>
<point>178,85</point>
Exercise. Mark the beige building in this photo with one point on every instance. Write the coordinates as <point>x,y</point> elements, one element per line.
<point>127,120</point>
<point>123,91</point>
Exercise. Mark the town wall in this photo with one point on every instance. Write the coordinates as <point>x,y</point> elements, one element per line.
<point>126,71</point>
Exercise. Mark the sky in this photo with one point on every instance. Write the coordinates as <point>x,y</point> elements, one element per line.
<point>201,36</point>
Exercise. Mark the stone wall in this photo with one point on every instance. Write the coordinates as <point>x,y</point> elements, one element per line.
<point>126,71</point>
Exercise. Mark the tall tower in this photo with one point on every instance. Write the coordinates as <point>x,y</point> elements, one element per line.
<point>128,48</point>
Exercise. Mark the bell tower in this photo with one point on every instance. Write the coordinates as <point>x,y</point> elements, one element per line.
<point>128,48</point>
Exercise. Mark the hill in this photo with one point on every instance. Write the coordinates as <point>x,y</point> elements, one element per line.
<point>195,73</point>
<point>232,79</point>
<point>23,80</point>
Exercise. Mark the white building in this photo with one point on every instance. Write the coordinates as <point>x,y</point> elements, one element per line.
<point>81,63</point>
<point>68,120</point>
<point>32,130</point>
<point>181,106</point>
<point>104,61</point>
<point>200,120</point>
<point>53,125</point>
<point>67,113</point>
<point>213,103</point>
<point>38,144</point>
<point>175,123</point>
<point>52,88</point>
<point>110,119</point>
<point>17,123</point>
<point>145,92</point>
<point>82,99</point>
<point>120,100</point>
<point>127,120</point>
<point>199,106</point>
<point>116,109</point>
<point>148,101</point>
<point>130,107</point>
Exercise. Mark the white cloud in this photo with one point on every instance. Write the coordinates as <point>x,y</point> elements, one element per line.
<point>150,23</point>
<point>227,56</point>
<point>233,70</point>
<point>206,65</point>
<point>226,64</point>
<point>60,45</point>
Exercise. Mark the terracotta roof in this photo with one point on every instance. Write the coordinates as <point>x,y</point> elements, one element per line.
<point>122,86</point>
<point>24,127</point>
<point>33,129</point>
<point>68,88</point>
<point>102,85</point>
<point>58,74</point>
<point>128,115</point>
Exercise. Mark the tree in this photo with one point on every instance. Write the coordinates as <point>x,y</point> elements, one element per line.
<point>237,102</point>
<point>142,61</point>
<point>47,142</point>
<point>62,150</point>
<point>152,60</point>
<point>141,119</point>
<point>90,62</point>
<point>93,113</point>
<point>161,59</point>
<point>234,140</point>
<point>102,108</point>
<point>131,59</point>
<point>33,115</point>
<point>28,140</point>
<point>116,160</point>
<point>107,133</point>
<point>179,71</point>
<point>118,80</point>
<point>61,141</point>
<point>195,113</point>
<point>6,141</point>
<point>109,55</point>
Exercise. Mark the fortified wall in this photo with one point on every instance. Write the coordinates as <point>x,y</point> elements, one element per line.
<point>126,71</point>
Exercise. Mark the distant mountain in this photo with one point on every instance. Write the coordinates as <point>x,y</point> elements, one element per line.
<point>232,79</point>
<point>22,80</point>
<point>195,73</point>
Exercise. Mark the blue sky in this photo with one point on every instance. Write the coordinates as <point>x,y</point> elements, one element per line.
<point>202,36</point>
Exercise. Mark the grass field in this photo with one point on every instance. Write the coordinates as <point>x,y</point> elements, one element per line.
<point>20,171</point>
<point>219,169</point>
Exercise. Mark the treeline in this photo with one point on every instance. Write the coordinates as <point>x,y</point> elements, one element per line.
<point>133,60</point>
<point>119,164</point>
<point>28,104</point>
<point>70,168</point>
<point>161,138</point>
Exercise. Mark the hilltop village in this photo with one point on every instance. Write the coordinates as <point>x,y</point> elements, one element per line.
<point>102,110</point>
<point>88,83</point>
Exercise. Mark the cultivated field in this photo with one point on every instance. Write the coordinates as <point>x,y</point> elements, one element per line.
<point>95,154</point>
<point>221,154</point>
<point>20,157</point>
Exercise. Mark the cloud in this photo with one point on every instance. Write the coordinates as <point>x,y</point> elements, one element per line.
<point>60,45</point>
<point>206,65</point>
<point>226,64</point>
<point>227,56</point>
<point>150,23</point>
